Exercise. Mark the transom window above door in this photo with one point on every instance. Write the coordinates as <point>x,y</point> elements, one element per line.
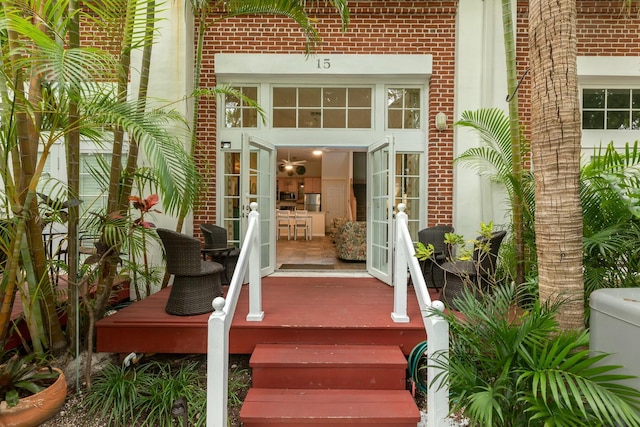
<point>611,109</point>
<point>322,107</point>
<point>403,108</point>
<point>238,114</point>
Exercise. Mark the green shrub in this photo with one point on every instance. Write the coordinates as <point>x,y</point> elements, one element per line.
<point>513,367</point>
<point>115,394</point>
<point>170,384</point>
<point>144,395</point>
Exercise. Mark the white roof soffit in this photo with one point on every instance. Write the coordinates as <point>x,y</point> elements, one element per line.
<point>260,66</point>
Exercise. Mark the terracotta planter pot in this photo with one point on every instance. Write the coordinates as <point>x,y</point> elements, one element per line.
<point>33,410</point>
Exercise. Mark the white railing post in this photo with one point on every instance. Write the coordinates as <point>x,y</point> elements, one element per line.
<point>436,326</point>
<point>219,323</point>
<point>255,264</point>
<point>217,366</point>
<point>399,314</point>
<point>437,349</point>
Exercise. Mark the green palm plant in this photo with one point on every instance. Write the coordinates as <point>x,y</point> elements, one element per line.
<point>494,159</point>
<point>69,93</point>
<point>609,191</point>
<point>513,367</point>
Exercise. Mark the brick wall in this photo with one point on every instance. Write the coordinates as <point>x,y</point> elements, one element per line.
<point>398,27</point>
<point>409,27</point>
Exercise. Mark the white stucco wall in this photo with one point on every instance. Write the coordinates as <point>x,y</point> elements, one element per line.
<point>171,73</point>
<point>480,82</point>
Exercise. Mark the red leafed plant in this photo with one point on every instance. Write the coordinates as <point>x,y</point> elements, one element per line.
<point>144,206</point>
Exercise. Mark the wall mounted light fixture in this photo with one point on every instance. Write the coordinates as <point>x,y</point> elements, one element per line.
<point>225,144</point>
<point>441,121</point>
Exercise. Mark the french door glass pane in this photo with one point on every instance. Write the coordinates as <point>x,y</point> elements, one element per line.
<point>231,202</point>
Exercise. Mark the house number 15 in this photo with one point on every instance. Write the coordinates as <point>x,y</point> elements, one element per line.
<point>324,63</point>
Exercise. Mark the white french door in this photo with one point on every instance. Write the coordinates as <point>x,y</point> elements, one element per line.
<point>258,183</point>
<point>380,199</point>
<point>249,176</point>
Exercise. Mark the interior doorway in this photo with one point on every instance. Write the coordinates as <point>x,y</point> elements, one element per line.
<point>306,180</point>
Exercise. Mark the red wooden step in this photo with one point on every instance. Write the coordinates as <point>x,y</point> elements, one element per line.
<point>328,366</point>
<point>329,408</point>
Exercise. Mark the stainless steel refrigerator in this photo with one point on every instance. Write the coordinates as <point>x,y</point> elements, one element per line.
<point>312,202</point>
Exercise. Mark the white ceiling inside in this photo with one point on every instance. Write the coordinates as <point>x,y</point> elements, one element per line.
<point>304,153</point>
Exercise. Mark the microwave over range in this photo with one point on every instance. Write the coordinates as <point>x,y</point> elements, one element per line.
<point>288,196</point>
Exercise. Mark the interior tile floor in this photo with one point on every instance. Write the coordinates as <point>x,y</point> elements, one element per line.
<point>319,250</point>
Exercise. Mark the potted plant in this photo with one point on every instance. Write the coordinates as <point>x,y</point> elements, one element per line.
<point>31,392</point>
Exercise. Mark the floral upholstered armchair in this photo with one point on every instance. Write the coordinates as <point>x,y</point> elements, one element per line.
<point>351,241</point>
<point>336,223</point>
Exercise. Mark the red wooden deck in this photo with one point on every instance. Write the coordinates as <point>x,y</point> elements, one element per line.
<point>19,329</point>
<point>317,310</point>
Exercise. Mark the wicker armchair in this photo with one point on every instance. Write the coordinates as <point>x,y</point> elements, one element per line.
<point>476,274</point>
<point>195,282</point>
<point>434,276</point>
<point>215,237</point>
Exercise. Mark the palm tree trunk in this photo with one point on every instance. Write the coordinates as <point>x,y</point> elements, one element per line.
<point>555,147</point>
<point>73,185</point>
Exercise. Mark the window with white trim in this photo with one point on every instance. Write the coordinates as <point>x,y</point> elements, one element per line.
<point>237,113</point>
<point>611,109</point>
<point>403,108</point>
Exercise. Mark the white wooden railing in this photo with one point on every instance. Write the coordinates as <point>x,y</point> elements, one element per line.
<point>437,328</point>
<point>249,263</point>
<point>220,321</point>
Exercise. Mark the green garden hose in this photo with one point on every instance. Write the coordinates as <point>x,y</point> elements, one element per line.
<point>416,360</point>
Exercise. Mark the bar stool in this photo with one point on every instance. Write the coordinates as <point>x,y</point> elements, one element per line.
<point>283,220</point>
<point>302,222</point>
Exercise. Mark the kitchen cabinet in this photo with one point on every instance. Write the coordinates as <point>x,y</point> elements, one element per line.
<point>289,185</point>
<point>313,185</point>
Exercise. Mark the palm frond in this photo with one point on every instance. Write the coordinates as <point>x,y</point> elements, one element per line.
<point>175,169</point>
<point>110,16</point>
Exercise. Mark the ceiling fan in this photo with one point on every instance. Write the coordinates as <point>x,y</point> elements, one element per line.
<point>288,165</point>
